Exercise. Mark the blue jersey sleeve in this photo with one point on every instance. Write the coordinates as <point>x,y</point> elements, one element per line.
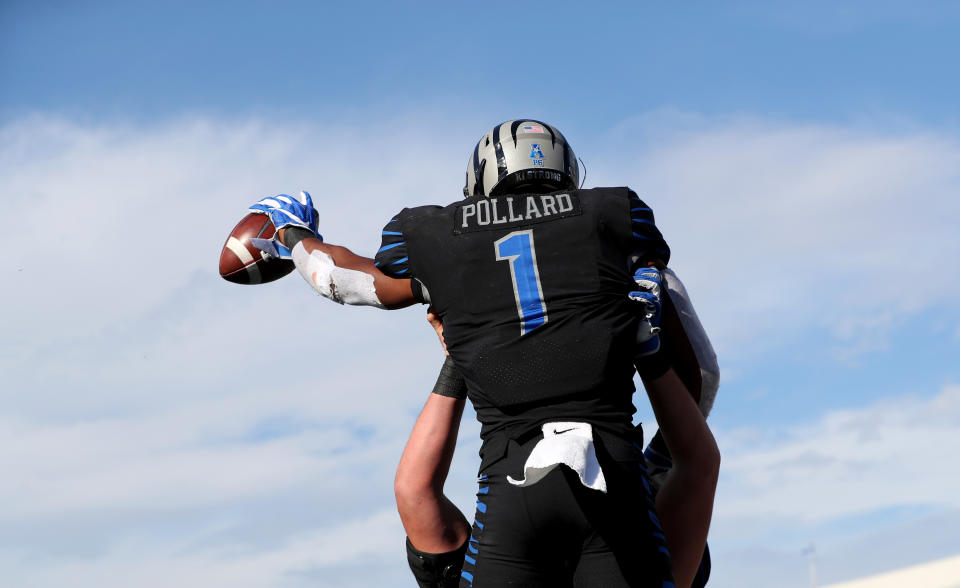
<point>392,258</point>
<point>649,245</point>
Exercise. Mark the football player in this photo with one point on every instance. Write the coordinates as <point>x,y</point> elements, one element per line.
<point>438,528</point>
<point>530,276</point>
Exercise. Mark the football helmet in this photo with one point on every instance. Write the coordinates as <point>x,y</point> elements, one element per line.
<point>521,156</point>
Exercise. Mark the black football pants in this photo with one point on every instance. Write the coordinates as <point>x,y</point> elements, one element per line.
<point>558,533</point>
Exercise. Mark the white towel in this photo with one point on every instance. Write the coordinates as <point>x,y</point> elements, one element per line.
<point>570,444</point>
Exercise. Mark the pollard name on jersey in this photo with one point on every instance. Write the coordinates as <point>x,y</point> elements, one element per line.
<point>500,212</point>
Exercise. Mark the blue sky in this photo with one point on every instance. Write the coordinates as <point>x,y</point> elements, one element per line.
<point>803,162</point>
<point>820,60</point>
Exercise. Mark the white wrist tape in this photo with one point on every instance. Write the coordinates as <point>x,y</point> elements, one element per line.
<point>706,356</point>
<point>343,286</point>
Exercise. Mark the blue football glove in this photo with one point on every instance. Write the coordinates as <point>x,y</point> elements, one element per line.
<point>648,294</point>
<point>285,211</point>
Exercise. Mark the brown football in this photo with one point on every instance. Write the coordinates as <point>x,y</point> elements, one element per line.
<point>242,263</point>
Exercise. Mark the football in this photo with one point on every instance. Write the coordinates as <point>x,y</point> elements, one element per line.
<point>242,263</point>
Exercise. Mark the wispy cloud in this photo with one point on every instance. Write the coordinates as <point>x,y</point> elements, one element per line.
<point>843,464</point>
<point>362,552</point>
<point>857,482</point>
<point>780,228</point>
<point>153,446</point>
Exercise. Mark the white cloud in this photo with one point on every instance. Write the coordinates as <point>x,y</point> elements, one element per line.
<point>350,554</point>
<point>847,482</point>
<point>136,387</point>
<point>110,220</point>
<point>153,445</point>
<point>852,461</point>
<point>779,228</point>
<point>775,227</point>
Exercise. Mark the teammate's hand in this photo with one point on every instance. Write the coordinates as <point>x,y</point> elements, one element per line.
<point>285,212</point>
<point>648,294</point>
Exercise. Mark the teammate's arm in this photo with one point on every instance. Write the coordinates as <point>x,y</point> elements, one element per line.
<point>431,521</point>
<point>685,501</point>
<point>437,531</point>
<point>693,359</point>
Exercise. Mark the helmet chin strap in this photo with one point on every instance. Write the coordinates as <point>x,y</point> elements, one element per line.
<point>583,166</point>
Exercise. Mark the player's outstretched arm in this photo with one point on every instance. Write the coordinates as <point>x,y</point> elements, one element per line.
<point>345,277</point>
<point>335,272</point>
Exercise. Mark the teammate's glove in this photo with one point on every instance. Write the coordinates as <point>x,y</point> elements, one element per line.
<point>651,362</point>
<point>648,294</point>
<point>297,214</point>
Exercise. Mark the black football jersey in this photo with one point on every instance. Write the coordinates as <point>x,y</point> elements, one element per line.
<point>532,290</point>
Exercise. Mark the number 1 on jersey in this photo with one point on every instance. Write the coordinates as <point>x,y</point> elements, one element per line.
<point>517,248</point>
